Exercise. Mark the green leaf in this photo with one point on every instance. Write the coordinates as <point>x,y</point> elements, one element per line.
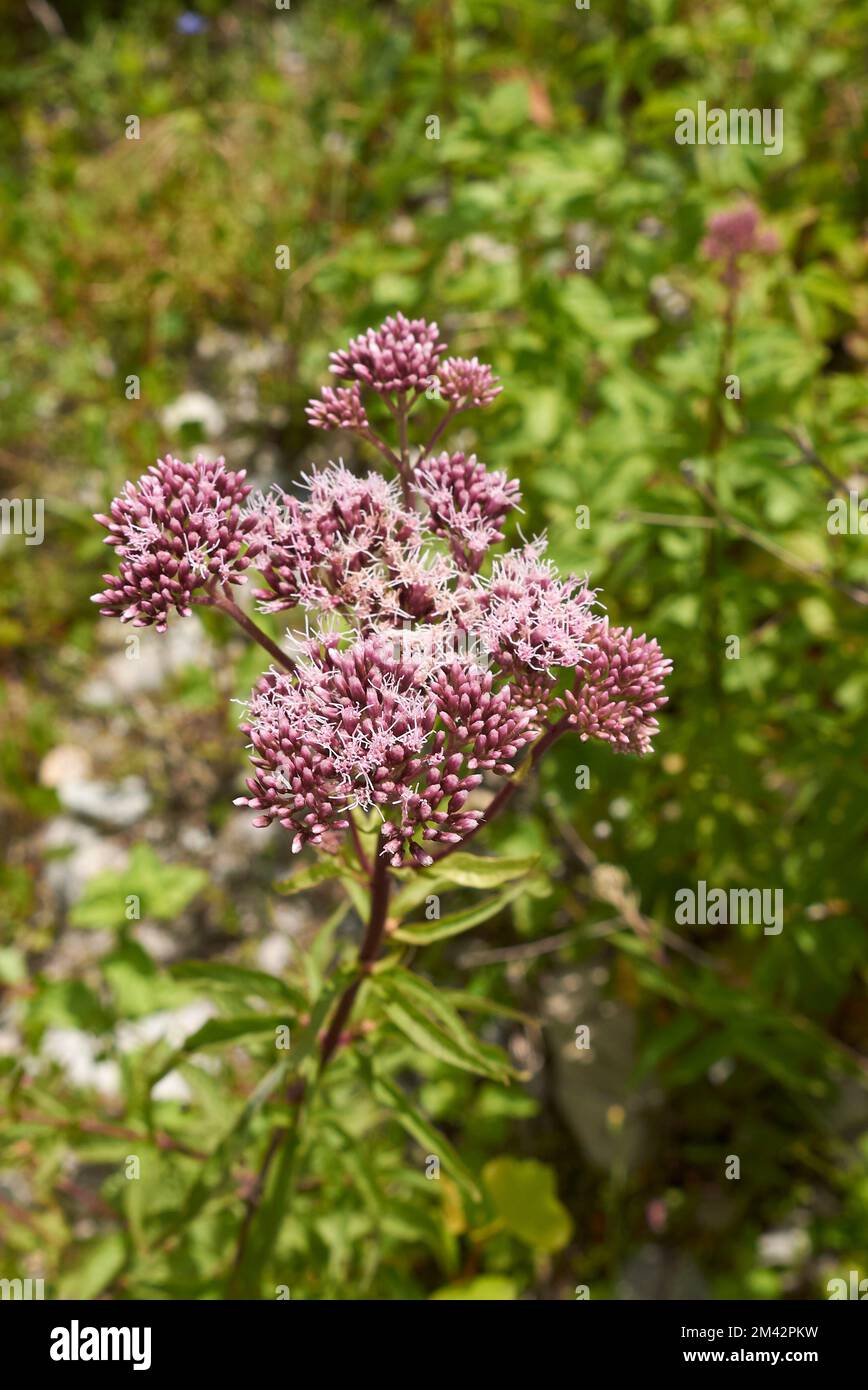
<point>315,959</point>
<point>238,977</point>
<point>138,986</point>
<point>421,1130</point>
<point>479,1004</point>
<point>525,1198</point>
<point>223,1030</point>
<point>428,1019</point>
<point>425,1035</point>
<point>454,923</point>
<point>161,891</point>
<point>489,1288</point>
<point>320,872</point>
<point>462,870</point>
<point>215,1172</point>
<point>101,1261</point>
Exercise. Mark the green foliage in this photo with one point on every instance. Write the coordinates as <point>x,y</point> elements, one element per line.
<point>162,890</point>
<point>525,1198</point>
<point>156,258</point>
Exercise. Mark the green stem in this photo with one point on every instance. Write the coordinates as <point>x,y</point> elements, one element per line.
<point>271,1194</point>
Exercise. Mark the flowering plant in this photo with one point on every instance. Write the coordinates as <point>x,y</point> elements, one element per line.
<point>433,672</point>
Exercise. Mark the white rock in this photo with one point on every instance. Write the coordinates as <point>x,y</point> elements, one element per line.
<point>173,1026</point>
<point>90,854</point>
<point>172,1086</point>
<point>784,1247</point>
<point>76,1052</point>
<point>144,660</point>
<point>194,407</point>
<point>65,764</point>
<point>111,803</point>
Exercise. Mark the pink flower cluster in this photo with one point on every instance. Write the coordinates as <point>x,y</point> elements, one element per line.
<point>179,529</point>
<point>734,233</point>
<point>364,727</point>
<point>399,361</point>
<point>619,690</point>
<point>467,504</point>
<point>351,547</point>
<point>442,660</point>
<point>400,356</point>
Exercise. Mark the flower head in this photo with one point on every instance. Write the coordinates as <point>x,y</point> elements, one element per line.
<point>338,408</point>
<point>529,618</point>
<point>465,381</point>
<point>734,233</point>
<point>400,356</point>
<point>467,504</point>
<point>367,727</point>
<point>619,689</point>
<point>352,547</point>
<point>178,529</point>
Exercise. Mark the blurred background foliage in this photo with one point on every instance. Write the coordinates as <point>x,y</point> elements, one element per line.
<point>155,258</point>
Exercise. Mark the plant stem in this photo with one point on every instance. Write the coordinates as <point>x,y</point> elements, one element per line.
<point>368,952</point>
<point>252,1206</point>
<point>389,454</point>
<point>400,413</point>
<point>363,859</point>
<point>508,790</point>
<point>717,435</point>
<point>445,421</point>
<point>252,1247</point>
<point>111,1131</point>
<point>224,604</point>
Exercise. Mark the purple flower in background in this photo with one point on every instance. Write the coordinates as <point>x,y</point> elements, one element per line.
<point>619,689</point>
<point>400,356</point>
<point>465,381</point>
<point>734,233</point>
<point>177,530</point>
<point>467,504</point>
<point>191,23</point>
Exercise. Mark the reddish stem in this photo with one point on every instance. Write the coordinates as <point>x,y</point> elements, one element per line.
<point>508,790</point>
<point>368,952</point>
<point>224,604</point>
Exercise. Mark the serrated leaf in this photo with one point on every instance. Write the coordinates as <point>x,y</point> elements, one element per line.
<point>478,1004</point>
<point>425,1035</point>
<point>461,870</point>
<point>428,1019</point>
